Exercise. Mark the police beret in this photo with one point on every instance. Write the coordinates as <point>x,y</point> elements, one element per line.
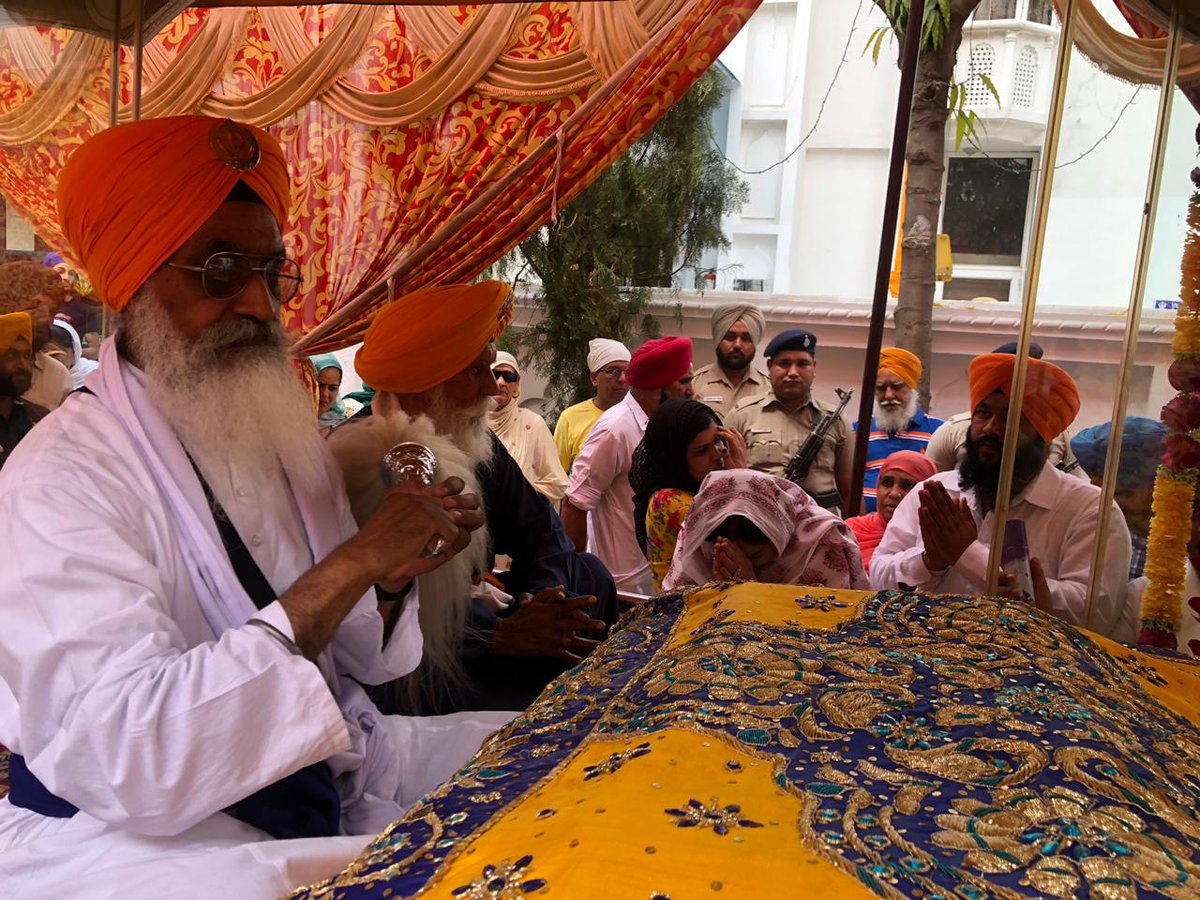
<point>1035,349</point>
<point>796,339</point>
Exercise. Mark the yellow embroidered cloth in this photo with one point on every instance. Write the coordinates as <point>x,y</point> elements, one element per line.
<point>761,741</point>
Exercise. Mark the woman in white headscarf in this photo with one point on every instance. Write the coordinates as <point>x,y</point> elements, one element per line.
<point>749,526</point>
<point>524,433</point>
<point>79,366</point>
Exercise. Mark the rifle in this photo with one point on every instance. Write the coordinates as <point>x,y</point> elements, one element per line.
<point>798,465</point>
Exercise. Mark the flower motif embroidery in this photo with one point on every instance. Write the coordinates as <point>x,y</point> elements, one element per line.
<point>615,761</point>
<point>1043,702</point>
<point>824,604</point>
<point>719,818</point>
<point>502,882</point>
<point>1064,842</point>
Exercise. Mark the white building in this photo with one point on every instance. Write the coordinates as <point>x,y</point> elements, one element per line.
<point>811,108</point>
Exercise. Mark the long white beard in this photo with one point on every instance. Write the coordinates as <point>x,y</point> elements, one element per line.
<point>230,394</point>
<point>896,419</point>
<point>445,593</point>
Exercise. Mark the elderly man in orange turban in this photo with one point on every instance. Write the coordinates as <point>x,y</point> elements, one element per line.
<point>939,536</point>
<point>899,422</point>
<point>17,416</point>
<point>183,655</point>
<point>429,356</point>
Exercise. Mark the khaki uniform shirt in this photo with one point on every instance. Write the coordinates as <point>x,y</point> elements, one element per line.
<point>716,391</point>
<point>773,435</point>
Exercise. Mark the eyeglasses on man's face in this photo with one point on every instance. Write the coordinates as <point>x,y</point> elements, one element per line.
<point>507,375</point>
<point>613,372</point>
<point>225,275</point>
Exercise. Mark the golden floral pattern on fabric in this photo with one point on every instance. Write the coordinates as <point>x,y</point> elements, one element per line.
<point>937,746</point>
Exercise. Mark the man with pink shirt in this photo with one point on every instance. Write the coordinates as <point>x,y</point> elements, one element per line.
<point>598,509</point>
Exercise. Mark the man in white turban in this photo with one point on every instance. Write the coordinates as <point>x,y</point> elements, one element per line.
<point>607,360</point>
<point>736,328</point>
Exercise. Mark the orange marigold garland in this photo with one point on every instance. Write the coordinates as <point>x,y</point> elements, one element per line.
<point>1175,484</point>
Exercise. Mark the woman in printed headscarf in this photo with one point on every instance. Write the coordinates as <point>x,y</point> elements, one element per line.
<point>750,526</point>
<point>330,412</point>
<point>684,441</point>
<point>524,433</point>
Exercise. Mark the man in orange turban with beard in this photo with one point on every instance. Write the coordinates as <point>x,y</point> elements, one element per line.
<point>183,653</point>
<point>940,535</point>
<point>899,422</point>
<point>429,357</point>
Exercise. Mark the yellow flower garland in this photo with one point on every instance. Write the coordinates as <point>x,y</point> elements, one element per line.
<point>1174,489</point>
<point>1166,551</point>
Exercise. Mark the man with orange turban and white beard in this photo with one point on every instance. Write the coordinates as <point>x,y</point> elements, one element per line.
<point>181,656</point>
<point>939,537</point>
<point>429,357</point>
<point>899,422</point>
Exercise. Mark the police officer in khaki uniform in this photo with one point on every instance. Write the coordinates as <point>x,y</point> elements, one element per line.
<point>776,424</point>
<point>737,328</point>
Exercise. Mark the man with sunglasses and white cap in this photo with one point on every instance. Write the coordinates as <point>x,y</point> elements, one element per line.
<point>181,659</point>
<point>606,361</point>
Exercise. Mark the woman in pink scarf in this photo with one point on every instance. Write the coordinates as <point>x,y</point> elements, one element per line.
<point>900,473</point>
<point>749,526</point>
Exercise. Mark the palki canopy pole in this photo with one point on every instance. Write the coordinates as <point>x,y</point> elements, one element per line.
<point>883,267</point>
<point>1041,214</point>
<point>114,102</point>
<point>1137,292</point>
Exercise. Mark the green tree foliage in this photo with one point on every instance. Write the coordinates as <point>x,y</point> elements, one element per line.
<point>652,214</point>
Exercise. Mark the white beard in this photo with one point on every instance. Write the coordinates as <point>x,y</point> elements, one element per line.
<point>230,394</point>
<point>896,419</point>
<point>445,593</point>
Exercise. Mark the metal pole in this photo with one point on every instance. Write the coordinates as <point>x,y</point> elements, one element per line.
<point>1136,296</point>
<point>139,16</point>
<point>114,102</point>
<point>1041,213</point>
<point>910,53</point>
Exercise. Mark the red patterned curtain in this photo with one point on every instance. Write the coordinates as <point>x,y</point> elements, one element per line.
<point>424,141</point>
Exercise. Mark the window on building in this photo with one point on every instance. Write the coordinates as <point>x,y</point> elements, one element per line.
<point>978,289</point>
<point>1040,11</point>
<point>996,9</point>
<point>987,201</point>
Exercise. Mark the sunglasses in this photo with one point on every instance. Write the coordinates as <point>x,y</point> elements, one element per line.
<point>225,275</point>
<point>506,375</point>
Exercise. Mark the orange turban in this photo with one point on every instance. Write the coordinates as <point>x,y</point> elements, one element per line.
<point>24,283</point>
<point>907,366</point>
<point>429,336</point>
<point>1051,397</point>
<point>132,195</point>
<point>13,327</point>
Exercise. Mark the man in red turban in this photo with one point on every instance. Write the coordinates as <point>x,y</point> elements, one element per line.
<point>190,611</point>
<point>598,509</point>
<point>429,357</point>
<point>940,535</point>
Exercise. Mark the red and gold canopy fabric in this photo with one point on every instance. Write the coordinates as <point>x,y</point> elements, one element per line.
<point>424,142</point>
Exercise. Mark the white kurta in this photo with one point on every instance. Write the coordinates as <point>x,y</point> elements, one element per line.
<point>126,704</point>
<point>600,485</point>
<point>1061,514</point>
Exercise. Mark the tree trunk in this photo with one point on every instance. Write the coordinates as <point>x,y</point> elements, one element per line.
<point>926,155</point>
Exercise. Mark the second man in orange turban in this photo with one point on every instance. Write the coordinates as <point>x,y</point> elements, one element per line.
<point>939,536</point>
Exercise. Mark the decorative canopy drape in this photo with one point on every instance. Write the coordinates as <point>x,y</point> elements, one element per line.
<point>424,142</point>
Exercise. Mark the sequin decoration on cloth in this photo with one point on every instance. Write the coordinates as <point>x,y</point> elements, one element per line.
<point>742,739</point>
